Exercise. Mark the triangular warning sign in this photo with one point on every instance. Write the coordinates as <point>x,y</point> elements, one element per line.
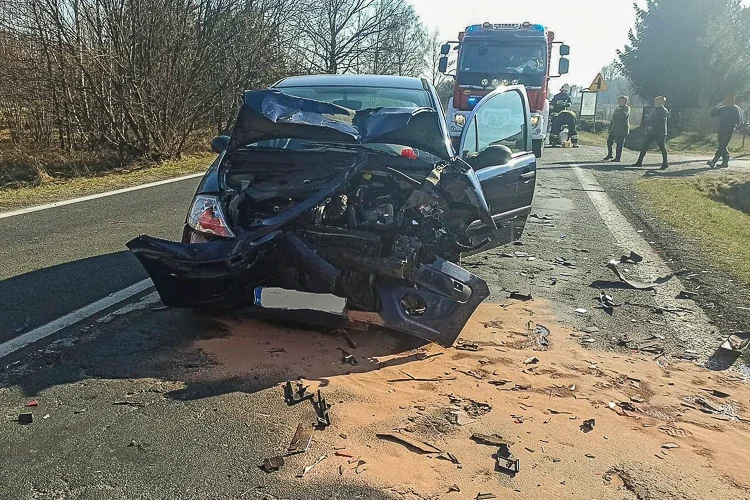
<point>598,85</point>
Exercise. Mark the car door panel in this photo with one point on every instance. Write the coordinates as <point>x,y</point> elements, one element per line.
<point>508,187</point>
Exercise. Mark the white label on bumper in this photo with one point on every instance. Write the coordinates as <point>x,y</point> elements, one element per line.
<point>280,298</point>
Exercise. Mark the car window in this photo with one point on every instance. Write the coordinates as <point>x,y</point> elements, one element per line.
<point>500,120</point>
<point>363,97</point>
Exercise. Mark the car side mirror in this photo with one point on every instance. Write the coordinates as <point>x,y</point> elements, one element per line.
<point>564,50</point>
<point>219,144</point>
<point>493,155</point>
<point>445,49</point>
<point>564,66</point>
<point>443,64</point>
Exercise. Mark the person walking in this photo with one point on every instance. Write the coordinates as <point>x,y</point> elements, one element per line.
<point>619,128</point>
<point>656,131</point>
<point>730,117</point>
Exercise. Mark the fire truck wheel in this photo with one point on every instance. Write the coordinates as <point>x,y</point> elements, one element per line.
<point>537,145</point>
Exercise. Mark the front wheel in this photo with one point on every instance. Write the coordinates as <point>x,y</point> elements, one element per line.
<point>537,146</point>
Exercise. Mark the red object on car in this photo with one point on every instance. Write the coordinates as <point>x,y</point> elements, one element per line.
<point>409,153</point>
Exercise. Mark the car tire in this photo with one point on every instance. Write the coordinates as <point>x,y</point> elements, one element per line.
<point>537,146</point>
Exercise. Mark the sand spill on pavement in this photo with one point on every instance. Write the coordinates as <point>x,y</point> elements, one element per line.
<point>537,406</point>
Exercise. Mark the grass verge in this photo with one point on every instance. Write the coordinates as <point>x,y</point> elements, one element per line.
<point>684,143</point>
<point>693,207</point>
<point>52,190</point>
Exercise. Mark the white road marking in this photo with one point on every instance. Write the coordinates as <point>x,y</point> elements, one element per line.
<point>37,208</point>
<point>652,267</point>
<point>55,326</point>
<point>146,301</point>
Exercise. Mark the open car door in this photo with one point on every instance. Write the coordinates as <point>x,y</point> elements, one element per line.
<point>496,142</point>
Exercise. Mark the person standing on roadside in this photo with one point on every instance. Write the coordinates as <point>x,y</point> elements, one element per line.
<point>619,128</point>
<point>656,131</point>
<point>730,117</point>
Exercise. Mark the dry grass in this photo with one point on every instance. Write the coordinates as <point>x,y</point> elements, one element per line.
<point>82,180</point>
<point>685,143</point>
<point>709,210</point>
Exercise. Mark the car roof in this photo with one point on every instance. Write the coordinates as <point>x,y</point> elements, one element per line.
<point>400,82</point>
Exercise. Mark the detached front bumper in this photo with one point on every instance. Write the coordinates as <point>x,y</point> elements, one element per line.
<point>433,302</point>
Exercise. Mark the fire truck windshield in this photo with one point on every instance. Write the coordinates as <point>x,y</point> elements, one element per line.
<point>499,59</point>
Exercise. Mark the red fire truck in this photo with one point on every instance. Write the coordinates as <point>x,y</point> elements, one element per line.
<point>490,55</point>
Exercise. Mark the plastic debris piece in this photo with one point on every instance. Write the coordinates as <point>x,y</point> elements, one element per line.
<point>46,416</point>
<point>25,418</point>
<point>737,342</point>
<point>321,410</point>
<point>301,440</point>
<point>670,446</point>
<point>588,425</point>
<point>581,310</point>
<point>32,403</point>
<point>531,361</point>
<point>558,412</point>
<point>310,467</point>
<point>294,395</point>
<point>409,442</point>
<point>505,462</point>
<point>485,496</point>
<point>454,487</point>
<point>684,294</point>
<point>463,345</point>
<point>633,258</point>
<point>490,440</point>
<point>638,285</point>
<point>24,326</point>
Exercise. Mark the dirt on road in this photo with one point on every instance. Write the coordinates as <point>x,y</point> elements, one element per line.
<point>661,430</point>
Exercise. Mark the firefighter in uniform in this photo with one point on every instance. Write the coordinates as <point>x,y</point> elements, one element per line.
<point>562,115</point>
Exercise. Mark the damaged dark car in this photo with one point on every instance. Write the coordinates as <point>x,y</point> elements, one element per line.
<point>340,199</point>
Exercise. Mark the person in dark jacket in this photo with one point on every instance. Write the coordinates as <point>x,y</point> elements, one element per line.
<point>562,115</point>
<point>619,128</point>
<point>656,131</point>
<point>730,117</point>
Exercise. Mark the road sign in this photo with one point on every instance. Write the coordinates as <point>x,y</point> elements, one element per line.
<point>598,85</point>
<point>588,103</point>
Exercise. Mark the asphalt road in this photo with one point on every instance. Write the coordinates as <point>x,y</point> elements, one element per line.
<point>55,261</point>
<point>189,435</point>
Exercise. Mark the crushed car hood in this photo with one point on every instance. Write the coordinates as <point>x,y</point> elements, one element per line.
<point>272,114</point>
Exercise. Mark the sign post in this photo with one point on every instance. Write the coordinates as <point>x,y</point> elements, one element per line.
<point>598,85</point>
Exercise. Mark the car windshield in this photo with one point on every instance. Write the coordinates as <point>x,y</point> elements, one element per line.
<point>358,98</point>
<point>499,58</point>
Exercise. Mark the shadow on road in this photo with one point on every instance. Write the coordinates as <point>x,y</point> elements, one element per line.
<point>50,292</point>
<point>208,353</point>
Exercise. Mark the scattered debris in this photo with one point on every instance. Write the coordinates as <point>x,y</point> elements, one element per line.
<point>590,329</point>
<point>520,296</point>
<point>493,440</point>
<point>737,342</point>
<point>420,446</point>
<point>25,418</point>
<point>638,285</point>
<point>310,467</point>
<point>127,403</point>
<point>412,378</point>
<point>558,412</point>
<point>45,417</point>
<point>450,457</point>
<point>581,310</point>
<point>272,464</point>
<point>684,294</point>
<point>454,487</point>
<point>292,396</point>
<point>588,425</point>
<point>459,418</point>
<point>360,466</point>
<point>159,308</point>
<point>717,393</point>
<point>531,361</point>
<point>607,302</point>
<point>321,410</point>
<point>463,345</point>
<point>348,339</point>
<point>485,496</point>
<point>276,350</point>
<point>31,404</point>
<point>472,374</point>
<point>505,462</point>
<point>633,258</point>
<point>301,440</point>
<point>670,446</point>
<point>541,336</point>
